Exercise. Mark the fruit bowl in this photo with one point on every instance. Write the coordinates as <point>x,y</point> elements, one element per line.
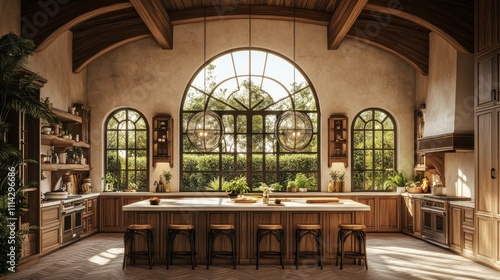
<point>154,201</point>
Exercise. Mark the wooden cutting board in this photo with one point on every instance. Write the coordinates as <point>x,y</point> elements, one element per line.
<point>323,200</point>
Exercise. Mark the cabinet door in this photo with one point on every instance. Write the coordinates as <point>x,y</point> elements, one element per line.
<point>487,35</point>
<point>455,233</point>
<point>486,91</point>
<point>388,214</point>
<point>367,218</point>
<point>417,219</point>
<point>95,214</point>
<point>484,140</point>
<point>111,214</point>
<point>50,239</point>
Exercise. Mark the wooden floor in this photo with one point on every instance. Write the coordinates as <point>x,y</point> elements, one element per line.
<point>390,256</point>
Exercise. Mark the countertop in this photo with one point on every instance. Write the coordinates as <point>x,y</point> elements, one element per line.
<point>225,204</point>
<point>275,194</point>
<point>47,203</point>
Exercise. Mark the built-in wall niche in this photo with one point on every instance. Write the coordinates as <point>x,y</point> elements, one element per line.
<point>163,139</point>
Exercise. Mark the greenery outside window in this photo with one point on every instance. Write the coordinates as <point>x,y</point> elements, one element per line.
<point>126,151</point>
<point>373,149</point>
<point>249,90</point>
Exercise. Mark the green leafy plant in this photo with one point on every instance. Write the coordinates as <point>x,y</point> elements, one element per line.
<point>237,185</point>
<point>276,187</point>
<point>399,179</point>
<point>334,174</point>
<point>167,175</point>
<point>301,181</point>
<point>342,176</point>
<point>111,180</point>
<point>132,186</point>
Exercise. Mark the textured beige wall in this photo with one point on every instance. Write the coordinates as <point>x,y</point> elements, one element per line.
<point>152,80</point>
<point>10,15</point>
<point>459,174</point>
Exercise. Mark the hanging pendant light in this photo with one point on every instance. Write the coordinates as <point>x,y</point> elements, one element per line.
<point>205,129</point>
<point>293,128</point>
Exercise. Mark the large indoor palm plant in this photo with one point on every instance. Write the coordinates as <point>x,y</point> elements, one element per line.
<point>17,95</point>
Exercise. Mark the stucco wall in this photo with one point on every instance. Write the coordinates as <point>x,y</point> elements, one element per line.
<point>355,77</point>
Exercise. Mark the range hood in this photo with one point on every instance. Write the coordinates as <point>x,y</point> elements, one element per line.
<point>448,142</point>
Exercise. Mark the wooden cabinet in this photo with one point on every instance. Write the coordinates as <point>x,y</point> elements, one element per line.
<point>384,214</point>
<point>455,234</point>
<point>411,218</point>
<point>487,25</point>
<point>113,219</point>
<point>90,216</point>
<point>338,140</point>
<point>487,212</point>
<point>468,232</point>
<point>50,229</point>
<point>487,134</point>
<point>487,80</point>
<point>163,146</point>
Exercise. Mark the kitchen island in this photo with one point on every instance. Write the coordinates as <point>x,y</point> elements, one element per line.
<point>245,215</point>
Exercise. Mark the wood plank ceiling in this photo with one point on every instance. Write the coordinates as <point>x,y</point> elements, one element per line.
<point>401,27</point>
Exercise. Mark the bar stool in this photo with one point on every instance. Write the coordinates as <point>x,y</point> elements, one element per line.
<point>301,231</point>
<point>180,230</point>
<point>226,231</point>
<point>278,233</point>
<point>144,231</point>
<point>359,234</point>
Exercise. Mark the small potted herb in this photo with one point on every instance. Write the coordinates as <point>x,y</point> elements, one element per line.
<point>236,186</point>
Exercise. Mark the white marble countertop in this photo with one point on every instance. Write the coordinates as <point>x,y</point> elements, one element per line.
<point>225,204</point>
<point>47,203</point>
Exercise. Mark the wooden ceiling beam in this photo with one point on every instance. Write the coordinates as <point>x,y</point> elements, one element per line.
<point>155,17</point>
<point>45,22</point>
<point>342,20</point>
<point>113,30</point>
<point>456,27</point>
<point>400,38</point>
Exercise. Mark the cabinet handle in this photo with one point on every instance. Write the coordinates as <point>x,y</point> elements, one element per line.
<point>493,175</point>
<point>494,94</point>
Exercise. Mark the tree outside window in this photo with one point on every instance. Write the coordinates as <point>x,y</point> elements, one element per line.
<point>127,150</point>
<point>373,149</point>
<point>249,90</point>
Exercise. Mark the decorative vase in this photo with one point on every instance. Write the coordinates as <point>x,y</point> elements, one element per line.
<point>265,198</point>
<point>330,187</point>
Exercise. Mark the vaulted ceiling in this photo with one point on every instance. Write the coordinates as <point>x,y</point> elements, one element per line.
<point>401,27</point>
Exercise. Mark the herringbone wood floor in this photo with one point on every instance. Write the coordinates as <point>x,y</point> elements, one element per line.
<point>390,256</point>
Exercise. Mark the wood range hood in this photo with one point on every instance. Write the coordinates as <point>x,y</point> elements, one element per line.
<point>446,143</point>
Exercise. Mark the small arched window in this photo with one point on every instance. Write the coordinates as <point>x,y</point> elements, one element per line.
<point>373,149</point>
<point>126,151</point>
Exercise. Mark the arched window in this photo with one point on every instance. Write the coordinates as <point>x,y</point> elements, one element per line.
<point>249,90</point>
<point>373,149</point>
<point>126,151</point>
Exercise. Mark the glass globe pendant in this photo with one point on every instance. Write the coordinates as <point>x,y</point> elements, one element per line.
<point>294,131</point>
<point>205,131</point>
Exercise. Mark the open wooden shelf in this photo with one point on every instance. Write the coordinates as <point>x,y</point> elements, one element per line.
<point>66,117</point>
<point>52,140</point>
<point>58,167</point>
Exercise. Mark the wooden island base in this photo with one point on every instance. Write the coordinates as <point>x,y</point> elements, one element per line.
<point>245,216</point>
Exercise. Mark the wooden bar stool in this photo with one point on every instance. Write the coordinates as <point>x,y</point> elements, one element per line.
<point>226,231</point>
<point>144,231</point>
<point>278,233</point>
<point>180,230</point>
<point>301,231</point>
<point>359,253</point>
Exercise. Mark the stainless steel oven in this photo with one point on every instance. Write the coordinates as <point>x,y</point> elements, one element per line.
<point>434,212</point>
<point>71,220</point>
<point>435,221</point>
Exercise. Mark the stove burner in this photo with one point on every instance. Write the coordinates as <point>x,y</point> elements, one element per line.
<point>448,198</point>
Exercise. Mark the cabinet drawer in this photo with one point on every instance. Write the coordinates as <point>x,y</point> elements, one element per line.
<point>468,217</point>
<point>50,215</point>
<point>50,239</point>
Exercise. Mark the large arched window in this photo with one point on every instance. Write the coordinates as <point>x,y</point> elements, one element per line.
<point>249,90</point>
<point>373,149</point>
<point>126,151</point>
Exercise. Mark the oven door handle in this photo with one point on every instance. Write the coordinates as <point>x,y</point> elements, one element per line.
<point>76,209</point>
<point>433,211</point>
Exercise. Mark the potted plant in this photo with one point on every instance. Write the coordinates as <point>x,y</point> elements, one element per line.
<point>132,187</point>
<point>236,186</point>
<point>342,179</point>
<point>110,181</point>
<point>167,175</point>
<point>334,174</point>
<point>17,93</point>
<point>398,181</point>
<point>301,182</point>
<point>291,186</point>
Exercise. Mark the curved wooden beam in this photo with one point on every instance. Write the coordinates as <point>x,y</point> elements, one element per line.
<point>45,22</point>
<point>156,18</point>
<point>84,61</point>
<point>456,27</point>
<point>114,29</point>
<point>401,38</point>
